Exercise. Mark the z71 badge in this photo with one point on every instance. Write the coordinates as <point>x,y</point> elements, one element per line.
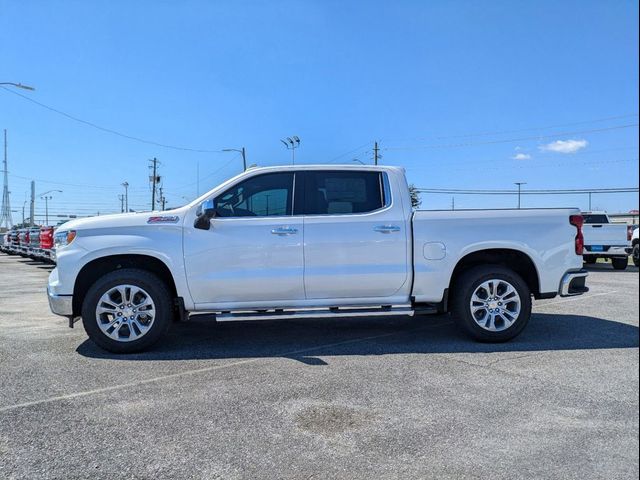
<point>167,219</point>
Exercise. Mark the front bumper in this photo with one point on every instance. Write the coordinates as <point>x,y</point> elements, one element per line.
<point>60,304</point>
<point>574,283</point>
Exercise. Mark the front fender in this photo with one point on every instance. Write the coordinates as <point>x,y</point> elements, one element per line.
<point>164,245</point>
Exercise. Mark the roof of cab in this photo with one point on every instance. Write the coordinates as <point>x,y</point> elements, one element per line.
<point>327,167</point>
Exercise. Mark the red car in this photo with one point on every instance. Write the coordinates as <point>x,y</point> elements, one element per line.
<point>46,243</point>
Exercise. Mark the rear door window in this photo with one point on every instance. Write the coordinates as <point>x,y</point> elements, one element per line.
<point>342,192</point>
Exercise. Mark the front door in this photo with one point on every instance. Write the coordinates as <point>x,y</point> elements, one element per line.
<point>252,254</point>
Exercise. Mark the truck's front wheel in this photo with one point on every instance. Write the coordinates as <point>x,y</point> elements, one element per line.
<point>127,310</point>
<point>491,303</point>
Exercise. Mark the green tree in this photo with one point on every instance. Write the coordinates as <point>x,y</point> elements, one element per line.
<point>416,201</point>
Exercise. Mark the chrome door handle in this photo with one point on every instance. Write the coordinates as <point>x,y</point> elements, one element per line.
<point>386,228</point>
<point>284,231</point>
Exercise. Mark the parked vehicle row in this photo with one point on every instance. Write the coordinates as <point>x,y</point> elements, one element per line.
<point>32,242</point>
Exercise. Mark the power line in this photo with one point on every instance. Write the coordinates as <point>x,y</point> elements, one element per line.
<point>357,149</point>
<point>80,185</point>
<point>109,130</point>
<point>528,129</point>
<point>521,139</point>
<point>235,157</point>
<point>481,134</point>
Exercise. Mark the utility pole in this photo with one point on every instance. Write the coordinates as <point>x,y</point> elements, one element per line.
<point>126,196</point>
<point>453,203</point>
<point>589,201</point>
<point>5,214</point>
<point>23,206</point>
<point>163,200</point>
<point>32,210</point>
<point>519,191</point>
<point>376,152</point>
<point>121,198</point>
<point>155,179</point>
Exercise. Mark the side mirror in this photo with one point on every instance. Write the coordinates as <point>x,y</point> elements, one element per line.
<point>207,212</point>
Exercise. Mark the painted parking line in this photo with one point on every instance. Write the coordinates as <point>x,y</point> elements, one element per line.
<point>196,371</point>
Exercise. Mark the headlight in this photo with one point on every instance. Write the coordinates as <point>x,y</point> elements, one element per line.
<point>64,238</point>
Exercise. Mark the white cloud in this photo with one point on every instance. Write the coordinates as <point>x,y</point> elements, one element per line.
<point>521,156</point>
<point>564,146</point>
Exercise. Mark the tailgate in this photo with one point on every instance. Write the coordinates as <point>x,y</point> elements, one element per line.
<point>605,234</point>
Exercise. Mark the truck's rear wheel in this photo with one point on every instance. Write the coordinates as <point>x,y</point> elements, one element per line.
<point>491,303</point>
<point>620,263</point>
<point>636,254</point>
<point>127,310</point>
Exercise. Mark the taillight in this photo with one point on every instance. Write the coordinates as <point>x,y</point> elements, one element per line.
<point>578,221</point>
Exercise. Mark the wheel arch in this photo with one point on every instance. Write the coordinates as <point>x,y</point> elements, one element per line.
<point>513,259</point>
<point>101,266</point>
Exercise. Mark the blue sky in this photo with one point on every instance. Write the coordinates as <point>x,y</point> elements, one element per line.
<point>462,94</point>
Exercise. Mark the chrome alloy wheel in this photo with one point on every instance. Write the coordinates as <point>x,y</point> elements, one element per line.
<point>495,305</point>
<point>125,313</point>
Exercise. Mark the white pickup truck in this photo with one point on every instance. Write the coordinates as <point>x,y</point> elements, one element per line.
<point>603,239</point>
<point>311,242</point>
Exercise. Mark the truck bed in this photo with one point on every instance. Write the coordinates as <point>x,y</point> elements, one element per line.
<point>442,237</point>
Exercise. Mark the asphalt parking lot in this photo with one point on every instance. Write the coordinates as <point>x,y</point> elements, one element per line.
<point>365,398</point>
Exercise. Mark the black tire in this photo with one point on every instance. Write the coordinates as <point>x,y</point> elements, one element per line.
<point>156,289</point>
<point>636,254</point>
<point>590,260</point>
<point>620,263</point>
<point>466,285</point>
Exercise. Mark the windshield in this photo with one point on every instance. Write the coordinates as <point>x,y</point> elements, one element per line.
<point>595,218</point>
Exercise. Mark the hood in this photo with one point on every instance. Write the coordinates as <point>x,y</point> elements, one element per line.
<point>167,217</point>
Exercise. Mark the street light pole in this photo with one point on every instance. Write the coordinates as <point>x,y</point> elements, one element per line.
<point>126,196</point>
<point>17,85</point>
<point>292,143</point>
<point>241,151</point>
<point>519,190</point>
<point>46,208</point>
<point>46,199</point>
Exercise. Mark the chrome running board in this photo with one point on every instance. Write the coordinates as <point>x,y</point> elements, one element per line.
<point>334,312</point>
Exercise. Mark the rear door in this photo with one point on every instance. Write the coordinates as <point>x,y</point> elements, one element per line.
<point>355,238</point>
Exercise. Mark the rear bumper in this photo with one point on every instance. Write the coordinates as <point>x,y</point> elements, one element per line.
<point>574,283</point>
<point>610,251</point>
<point>60,304</point>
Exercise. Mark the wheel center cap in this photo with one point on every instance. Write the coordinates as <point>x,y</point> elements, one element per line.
<point>493,305</point>
<point>127,312</point>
